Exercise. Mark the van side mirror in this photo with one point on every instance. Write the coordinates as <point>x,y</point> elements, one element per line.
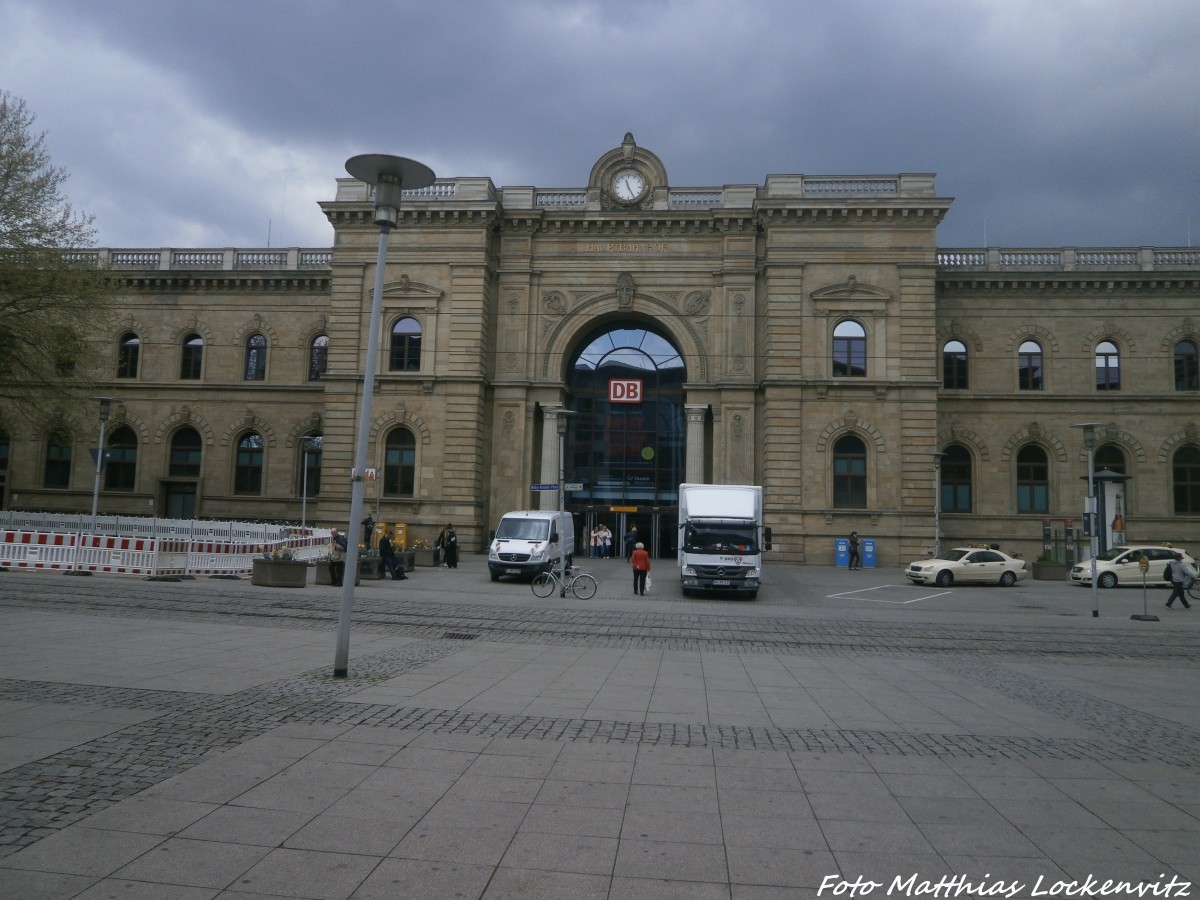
<point>553,537</point>
<point>766,538</point>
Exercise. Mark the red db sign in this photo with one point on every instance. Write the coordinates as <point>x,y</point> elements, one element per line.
<point>625,390</point>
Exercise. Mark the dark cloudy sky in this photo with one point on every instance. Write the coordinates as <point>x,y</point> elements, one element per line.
<point>222,122</point>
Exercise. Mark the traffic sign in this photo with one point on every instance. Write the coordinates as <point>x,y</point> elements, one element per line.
<point>543,487</point>
<point>573,486</point>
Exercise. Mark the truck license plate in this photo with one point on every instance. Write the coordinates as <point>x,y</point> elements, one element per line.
<point>512,571</point>
<point>721,583</point>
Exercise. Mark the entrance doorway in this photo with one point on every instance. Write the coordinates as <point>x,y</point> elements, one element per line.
<point>625,445</point>
<point>179,500</point>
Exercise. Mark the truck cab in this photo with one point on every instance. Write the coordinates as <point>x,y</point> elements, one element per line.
<point>721,539</point>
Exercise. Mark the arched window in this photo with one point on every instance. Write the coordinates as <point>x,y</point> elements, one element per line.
<point>127,355</point>
<point>1108,367</point>
<point>850,473</point>
<point>1029,366</point>
<point>1185,474</point>
<point>956,479</point>
<point>1033,480</point>
<point>850,349</point>
<point>310,466</point>
<point>954,366</point>
<point>405,353</point>
<point>57,472</point>
<point>120,469</point>
<point>186,448</point>
<point>318,357</point>
<point>1187,366</point>
<point>1110,457</point>
<point>192,357</point>
<point>248,468</point>
<point>400,463</point>
<point>256,358</point>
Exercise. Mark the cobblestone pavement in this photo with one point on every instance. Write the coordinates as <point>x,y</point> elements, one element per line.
<point>1067,694</point>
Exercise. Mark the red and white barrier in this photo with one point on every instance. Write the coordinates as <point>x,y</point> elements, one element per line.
<point>149,556</point>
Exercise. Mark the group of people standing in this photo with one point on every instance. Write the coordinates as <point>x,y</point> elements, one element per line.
<point>600,543</point>
<point>447,542</point>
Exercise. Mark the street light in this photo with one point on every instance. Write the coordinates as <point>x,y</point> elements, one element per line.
<point>306,444</point>
<point>106,404</point>
<point>1089,443</point>
<point>937,504</point>
<point>560,420</point>
<point>389,175</point>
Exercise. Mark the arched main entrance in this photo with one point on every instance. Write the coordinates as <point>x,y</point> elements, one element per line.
<point>626,442</point>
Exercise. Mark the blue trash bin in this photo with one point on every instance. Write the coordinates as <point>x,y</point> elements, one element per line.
<point>868,553</point>
<point>841,552</point>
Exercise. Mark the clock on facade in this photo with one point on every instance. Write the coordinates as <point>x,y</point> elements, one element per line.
<point>628,185</point>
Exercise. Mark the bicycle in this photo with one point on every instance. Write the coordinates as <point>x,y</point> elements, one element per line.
<point>581,584</point>
<point>1192,588</point>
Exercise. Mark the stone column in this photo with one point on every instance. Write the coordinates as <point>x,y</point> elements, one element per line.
<point>549,499</point>
<point>694,465</point>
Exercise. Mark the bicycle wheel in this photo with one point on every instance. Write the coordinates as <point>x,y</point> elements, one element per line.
<point>543,584</point>
<point>1193,589</point>
<point>584,586</point>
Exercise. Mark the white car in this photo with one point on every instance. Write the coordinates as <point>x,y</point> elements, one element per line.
<point>966,565</point>
<point>1120,565</point>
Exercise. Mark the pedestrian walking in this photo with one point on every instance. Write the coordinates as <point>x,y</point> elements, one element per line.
<point>1182,576</point>
<point>855,562</point>
<point>337,556</point>
<point>639,559</point>
<point>631,537</point>
<point>606,541</point>
<point>387,553</point>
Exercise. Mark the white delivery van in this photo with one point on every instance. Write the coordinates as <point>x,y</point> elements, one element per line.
<point>721,539</point>
<point>529,541</point>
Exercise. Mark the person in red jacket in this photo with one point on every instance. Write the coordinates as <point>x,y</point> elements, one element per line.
<point>640,560</point>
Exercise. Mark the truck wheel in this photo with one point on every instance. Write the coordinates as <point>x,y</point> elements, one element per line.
<point>751,595</point>
<point>495,576</point>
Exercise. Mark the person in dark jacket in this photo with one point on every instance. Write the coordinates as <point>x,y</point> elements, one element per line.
<point>1181,576</point>
<point>387,553</point>
<point>449,542</point>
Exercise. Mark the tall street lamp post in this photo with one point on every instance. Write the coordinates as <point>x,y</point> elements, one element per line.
<point>306,448</point>
<point>1089,443</point>
<point>389,175</point>
<point>937,504</point>
<point>106,404</point>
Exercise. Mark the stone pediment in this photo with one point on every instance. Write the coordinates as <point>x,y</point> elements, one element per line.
<point>851,294</point>
<point>404,289</point>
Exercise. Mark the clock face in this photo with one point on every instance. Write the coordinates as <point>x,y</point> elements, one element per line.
<point>628,185</point>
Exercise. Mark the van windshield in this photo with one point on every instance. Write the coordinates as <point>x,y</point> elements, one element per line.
<point>523,529</point>
<point>699,538</point>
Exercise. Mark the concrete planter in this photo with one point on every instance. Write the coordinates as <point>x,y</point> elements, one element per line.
<point>322,576</point>
<point>279,573</point>
<point>370,568</point>
<point>424,557</point>
<point>1049,571</point>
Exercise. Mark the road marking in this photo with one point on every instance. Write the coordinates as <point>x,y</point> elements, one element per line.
<point>850,595</point>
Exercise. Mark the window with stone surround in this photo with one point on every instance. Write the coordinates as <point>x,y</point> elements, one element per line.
<point>849,349</point>
<point>191,357</point>
<point>954,366</point>
<point>120,468</point>
<point>850,473</point>
<point>1033,480</point>
<point>1108,367</point>
<point>1187,366</point>
<point>128,351</point>
<point>1030,364</point>
<point>256,358</point>
<point>1185,473</point>
<point>956,479</point>
<point>248,466</point>
<point>405,351</point>
<point>400,463</point>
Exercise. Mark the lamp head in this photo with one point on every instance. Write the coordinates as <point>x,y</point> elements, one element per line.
<point>1089,432</point>
<point>389,176</point>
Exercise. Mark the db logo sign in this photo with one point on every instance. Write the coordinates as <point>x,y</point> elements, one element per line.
<point>628,390</point>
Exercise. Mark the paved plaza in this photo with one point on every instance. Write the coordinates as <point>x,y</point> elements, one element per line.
<point>845,735</point>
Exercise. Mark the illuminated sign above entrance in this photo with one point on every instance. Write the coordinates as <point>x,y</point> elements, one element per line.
<point>625,390</point>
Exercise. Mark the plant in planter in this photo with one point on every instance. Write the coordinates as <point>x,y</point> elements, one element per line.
<point>278,567</point>
<point>425,554</point>
<point>370,565</point>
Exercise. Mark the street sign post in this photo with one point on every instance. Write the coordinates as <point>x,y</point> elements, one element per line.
<point>543,487</point>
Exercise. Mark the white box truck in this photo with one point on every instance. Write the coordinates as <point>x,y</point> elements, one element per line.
<point>721,539</point>
<point>529,541</point>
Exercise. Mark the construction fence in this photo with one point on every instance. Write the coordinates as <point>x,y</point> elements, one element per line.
<point>127,545</point>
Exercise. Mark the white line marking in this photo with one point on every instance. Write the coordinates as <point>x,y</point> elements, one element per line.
<point>850,595</point>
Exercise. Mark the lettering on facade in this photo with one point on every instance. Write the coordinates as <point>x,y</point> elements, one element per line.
<point>622,246</point>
